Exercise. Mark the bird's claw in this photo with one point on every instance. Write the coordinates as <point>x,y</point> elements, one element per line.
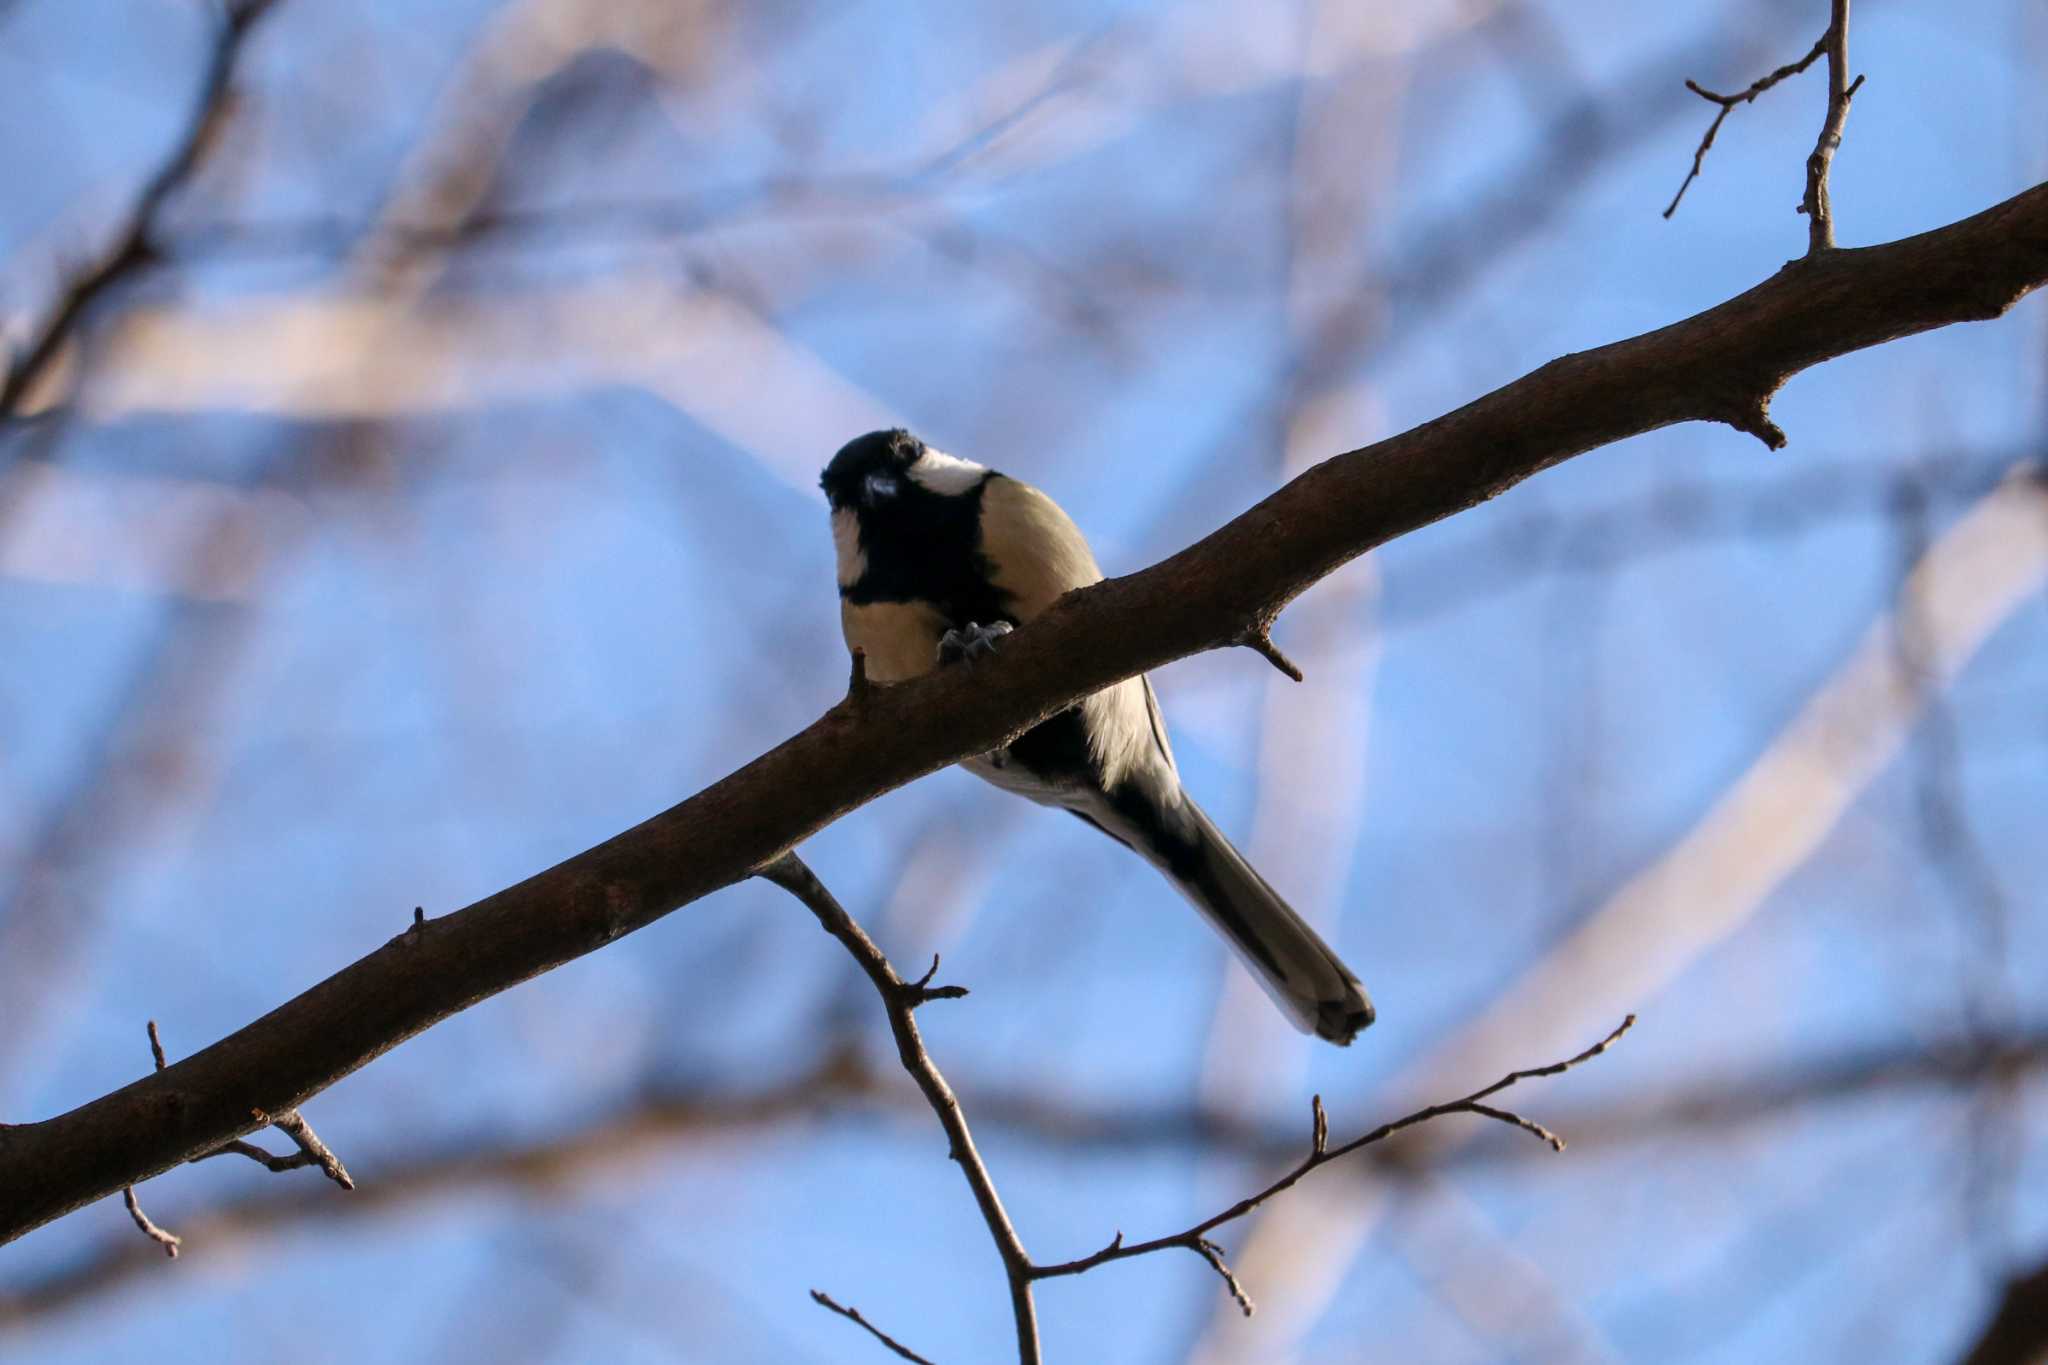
<point>971,642</point>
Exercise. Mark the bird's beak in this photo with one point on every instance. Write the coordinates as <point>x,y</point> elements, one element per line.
<point>878,487</point>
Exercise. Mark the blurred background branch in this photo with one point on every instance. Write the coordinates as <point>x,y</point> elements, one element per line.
<point>469,328</point>
<point>133,246</point>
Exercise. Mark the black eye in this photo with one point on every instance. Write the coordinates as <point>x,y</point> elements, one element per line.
<point>879,486</point>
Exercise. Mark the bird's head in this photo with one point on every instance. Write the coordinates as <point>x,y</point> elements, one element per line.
<point>872,470</point>
<point>883,469</point>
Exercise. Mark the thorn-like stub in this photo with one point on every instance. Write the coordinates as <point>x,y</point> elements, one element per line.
<point>1752,416</point>
<point>857,685</point>
<point>1259,640</point>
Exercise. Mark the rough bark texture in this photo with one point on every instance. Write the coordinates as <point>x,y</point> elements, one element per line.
<point>1721,365</point>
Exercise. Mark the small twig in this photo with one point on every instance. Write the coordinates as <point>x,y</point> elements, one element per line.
<point>1260,641</point>
<point>921,990</point>
<point>824,1300</point>
<point>1728,103</point>
<point>1820,214</point>
<point>412,933</point>
<point>901,999</point>
<point>169,1241</point>
<point>312,1151</point>
<point>294,1126</point>
<point>1321,1154</point>
<point>237,1147</point>
<point>1213,1254</point>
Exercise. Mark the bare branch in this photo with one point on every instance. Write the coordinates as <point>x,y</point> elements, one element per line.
<point>312,1151</point>
<point>1196,1238</point>
<point>824,1300</point>
<point>1712,367</point>
<point>1728,103</point>
<point>133,247</point>
<point>1820,214</point>
<point>1213,1254</point>
<point>901,998</point>
<point>842,1079</point>
<point>170,1242</point>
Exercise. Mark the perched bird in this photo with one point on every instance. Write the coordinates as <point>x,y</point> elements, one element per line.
<point>938,558</point>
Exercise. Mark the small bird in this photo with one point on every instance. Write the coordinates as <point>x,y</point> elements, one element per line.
<point>938,559</point>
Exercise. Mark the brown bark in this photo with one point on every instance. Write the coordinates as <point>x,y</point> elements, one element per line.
<point>1721,365</point>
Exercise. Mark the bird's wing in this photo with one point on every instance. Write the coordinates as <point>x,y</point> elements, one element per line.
<point>1158,724</point>
<point>1034,549</point>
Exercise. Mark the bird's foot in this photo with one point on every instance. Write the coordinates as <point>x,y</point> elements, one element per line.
<point>971,642</point>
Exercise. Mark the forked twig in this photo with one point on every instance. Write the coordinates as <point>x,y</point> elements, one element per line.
<point>1321,1154</point>
<point>902,998</point>
<point>1728,103</point>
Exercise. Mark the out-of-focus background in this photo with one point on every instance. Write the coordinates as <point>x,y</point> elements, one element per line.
<point>433,496</point>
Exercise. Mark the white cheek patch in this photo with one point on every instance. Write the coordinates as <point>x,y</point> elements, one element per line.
<point>846,543</point>
<point>947,475</point>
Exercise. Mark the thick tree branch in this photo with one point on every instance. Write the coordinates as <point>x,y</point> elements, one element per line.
<point>1721,365</point>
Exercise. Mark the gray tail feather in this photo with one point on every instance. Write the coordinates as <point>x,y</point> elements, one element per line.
<point>1308,981</point>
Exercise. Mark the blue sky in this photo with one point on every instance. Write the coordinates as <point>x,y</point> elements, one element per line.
<point>357,581</point>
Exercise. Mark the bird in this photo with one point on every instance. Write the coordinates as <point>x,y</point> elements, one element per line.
<point>937,559</point>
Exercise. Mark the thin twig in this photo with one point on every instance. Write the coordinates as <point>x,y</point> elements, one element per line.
<point>312,1151</point>
<point>1321,1154</point>
<point>237,1147</point>
<point>1728,103</point>
<point>1820,214</point>
<point>133,248</point>
<point>294,1126</point>
<point>824,1300</point>
<point>901,999</point>
<point>169,1241</point>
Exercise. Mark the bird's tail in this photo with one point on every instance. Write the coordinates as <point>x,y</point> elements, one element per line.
<point>1308,981</point>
